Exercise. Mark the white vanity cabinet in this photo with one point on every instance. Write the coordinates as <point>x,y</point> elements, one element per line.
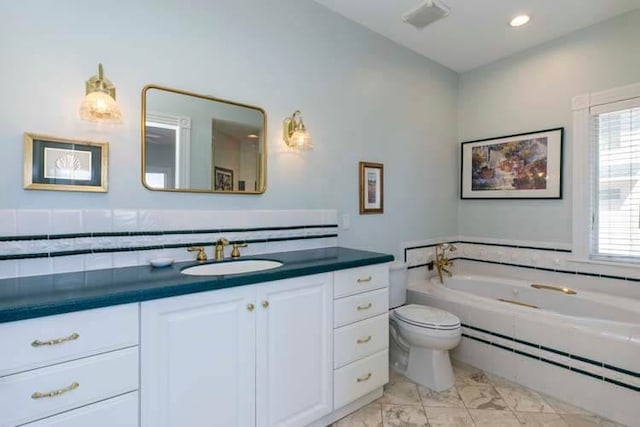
<point>361,335</point>
<point>74,369</point>
<point>252,355</point>
<point>294,351</point>
<point>198,357</point>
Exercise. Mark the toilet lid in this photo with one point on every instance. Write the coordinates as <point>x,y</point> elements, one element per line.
<point>429,317</point>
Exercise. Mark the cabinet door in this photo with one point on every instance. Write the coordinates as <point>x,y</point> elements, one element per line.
<point>294,351</point>
<point>198,360</point>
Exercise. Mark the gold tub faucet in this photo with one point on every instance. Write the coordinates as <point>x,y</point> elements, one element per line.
<point>442,262</point>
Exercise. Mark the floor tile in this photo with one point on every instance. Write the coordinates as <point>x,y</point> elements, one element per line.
<point>562,407</point>
<point>442,399</point>
<point>449,417</point>
<point>497,380</point>
<point>395,377</point>
<point>468,375</point>
<point>522,399</point>
<point>482,397</point>
<point>533,419</point>
<point>400,393</point>
<point>484,418</point>
<point>403,416</point>
<point>575,420</point>
<point>368,416</point>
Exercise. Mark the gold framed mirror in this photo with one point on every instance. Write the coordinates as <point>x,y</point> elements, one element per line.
<point>201,144</point>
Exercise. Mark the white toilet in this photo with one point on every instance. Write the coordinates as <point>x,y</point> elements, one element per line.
<point>420,336</point>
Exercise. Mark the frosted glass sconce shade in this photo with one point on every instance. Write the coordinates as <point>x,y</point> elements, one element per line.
<point>295,134</point>
<point>100,103</point>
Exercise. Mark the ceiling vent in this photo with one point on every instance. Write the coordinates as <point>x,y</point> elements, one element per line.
<point>426,13</point>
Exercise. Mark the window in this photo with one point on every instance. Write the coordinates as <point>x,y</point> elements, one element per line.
<point>606,176</point>
<point>616,199</point>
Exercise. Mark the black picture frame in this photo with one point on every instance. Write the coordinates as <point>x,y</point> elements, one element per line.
<point>487,175</point>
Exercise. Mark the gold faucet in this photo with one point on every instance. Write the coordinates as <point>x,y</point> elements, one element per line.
<point>235,252</point>
<point>442,262</point>
<point>202,255</point>
<point>219,249</point>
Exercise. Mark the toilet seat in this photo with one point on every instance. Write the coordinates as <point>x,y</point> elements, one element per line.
<point>427,317</point>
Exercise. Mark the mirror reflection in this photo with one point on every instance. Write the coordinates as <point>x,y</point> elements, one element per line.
<point>197,143</point>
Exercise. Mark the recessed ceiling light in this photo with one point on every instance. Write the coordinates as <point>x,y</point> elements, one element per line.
<point>519,20</point>
<point>252,136</point>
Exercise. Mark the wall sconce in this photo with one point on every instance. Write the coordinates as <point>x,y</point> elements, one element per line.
<point>294,133</point>
<point>100,103</point>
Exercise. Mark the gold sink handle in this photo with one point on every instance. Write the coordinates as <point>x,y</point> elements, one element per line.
<point>235,252</point>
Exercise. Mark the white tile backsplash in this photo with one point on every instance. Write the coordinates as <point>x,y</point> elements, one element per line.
<point>8,225</point>
<point>125,220</point>
<point>97,221</point>
<point>33,222</point>
<point>69,221</point>
<point>35,266</point>
<point>66,221</point>
<point>66,264</point>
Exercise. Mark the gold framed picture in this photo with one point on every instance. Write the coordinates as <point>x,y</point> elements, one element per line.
<point>371,188</point>
<point>63,164</point>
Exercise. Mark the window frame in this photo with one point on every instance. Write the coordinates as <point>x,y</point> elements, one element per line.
<point>583,168</point>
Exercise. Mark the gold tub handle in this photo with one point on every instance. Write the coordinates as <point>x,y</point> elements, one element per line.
<point>72,337</point>
<point>566,291</point>
<point>38,395</point>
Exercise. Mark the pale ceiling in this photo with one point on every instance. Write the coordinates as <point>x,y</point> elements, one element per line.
<point>476,32</point>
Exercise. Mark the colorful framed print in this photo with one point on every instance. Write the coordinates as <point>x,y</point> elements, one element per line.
<point>522,166</point>
<point>223,179</point>
<point>52,163</point>
<point>371,188</point>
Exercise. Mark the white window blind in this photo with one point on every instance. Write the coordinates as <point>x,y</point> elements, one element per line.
<point>616,181</point>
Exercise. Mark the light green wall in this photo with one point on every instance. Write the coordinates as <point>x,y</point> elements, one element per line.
<point>532,91</point>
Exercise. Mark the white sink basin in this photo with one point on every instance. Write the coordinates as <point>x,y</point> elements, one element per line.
<point>231,267</point>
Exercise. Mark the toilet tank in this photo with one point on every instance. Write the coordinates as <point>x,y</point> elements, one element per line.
<point>398,277</point>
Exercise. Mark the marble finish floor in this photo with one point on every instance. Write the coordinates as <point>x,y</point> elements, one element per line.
<point>477,399</point>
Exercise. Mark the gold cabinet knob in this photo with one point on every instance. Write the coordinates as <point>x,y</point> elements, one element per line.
<point>250,307</point>
<point>265,303</point>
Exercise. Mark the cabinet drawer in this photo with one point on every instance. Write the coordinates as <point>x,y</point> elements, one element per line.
<point>361,279</point>
<point>359,378</point>
<point>121,411</point>
<point>33,343</point>
<point>79,382</point>
<point>362,306</point>
<point>360,339</point>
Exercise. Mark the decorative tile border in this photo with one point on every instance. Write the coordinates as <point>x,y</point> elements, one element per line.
<point>25,247</point>
<point>40,241</point>
<point>542,258</point>
<point>588,367</point>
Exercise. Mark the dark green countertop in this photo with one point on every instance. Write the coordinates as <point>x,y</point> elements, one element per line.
<point>37,296</point>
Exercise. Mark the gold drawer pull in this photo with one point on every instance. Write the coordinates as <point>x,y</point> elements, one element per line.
<point>364,340</point>
<point>265,304</point>
<point>250,307</point>
<point>73,336</point>
<point>364,280</point>
<point>364,307</point>
<point>365,378</point>
<point>38,395</point>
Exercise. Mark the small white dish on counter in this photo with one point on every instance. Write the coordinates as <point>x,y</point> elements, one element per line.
<point>161,262</point>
